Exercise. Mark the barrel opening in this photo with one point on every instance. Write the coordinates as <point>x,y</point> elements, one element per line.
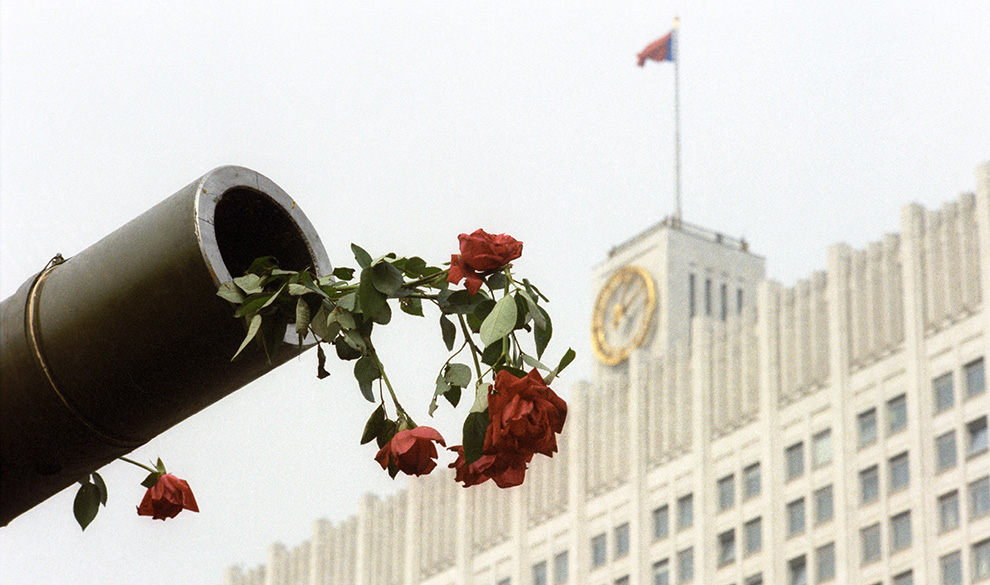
<point>249,224</point>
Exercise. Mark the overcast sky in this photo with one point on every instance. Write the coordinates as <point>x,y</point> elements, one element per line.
<point>399,125</point>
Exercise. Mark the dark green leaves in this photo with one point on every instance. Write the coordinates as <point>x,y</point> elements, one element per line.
<point>500,322</point>
<point>366,371</point>
<point>374,426</point>
<point>363,258</point>
<point>91,495</point>
<point>475,427</point>
<point>448,331</point>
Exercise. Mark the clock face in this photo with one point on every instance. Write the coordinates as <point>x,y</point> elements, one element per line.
<point>623,314</point>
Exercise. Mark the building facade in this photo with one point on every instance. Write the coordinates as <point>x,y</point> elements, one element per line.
<point>735,432</point>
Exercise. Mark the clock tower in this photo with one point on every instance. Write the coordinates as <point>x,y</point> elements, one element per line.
<point>650,287</point>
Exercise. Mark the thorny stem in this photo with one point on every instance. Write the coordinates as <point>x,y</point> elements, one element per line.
<point>474,348</point>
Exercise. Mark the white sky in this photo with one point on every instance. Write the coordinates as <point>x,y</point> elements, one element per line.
<point>399,125</point>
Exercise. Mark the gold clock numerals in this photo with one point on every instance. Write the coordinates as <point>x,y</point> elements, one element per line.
<point>623,314</point>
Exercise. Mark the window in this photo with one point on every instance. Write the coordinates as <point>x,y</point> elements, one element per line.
<point>976,381</point>
<point>795,517</point>
<point>756,579</point>
<point>825,563</point>
<point>623,580</point>
<point>661,572</point>
<point>981,560</point>
<point>726,492</point>
<point>824,509</point>
<point>506,581</point>
<point>661,523</point>
<point>905,578</point>
<point>979,498</point>
<point>708,296</point>
<point>896,414</point>
<point>561,569</point>
<point>753,534</point>
<point>751,481</point>
<point>691,295</point>
<point>727,547</point>
<point>739,300</point>
<point>867,424</point>
<point>976,436</point>
<point>797,571</point>
<point>685,565</point>
<point>942,392</point>
<point>869,484</point>
<point>950,567</point>
<point>540,573</point>
<point>948,511</point>
<point>945,451</point>
<point>900,474</point>
<point>821,448</point>
<point>621,540</point>
<point>725,300</point>
<point>869,538</point>
<point>794,455</point>
<point>685,512</point>
<point>598,553</point>
<point>900,531</point>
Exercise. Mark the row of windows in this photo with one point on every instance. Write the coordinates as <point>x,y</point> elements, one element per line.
<point>560,570</point>
<point>709,305</point>
<point>823,510</point>
<point>751,487</point>
<point>951,565</point>
<point>899,532</point>
<point>821,454</point>
<point>943,391</point>
<point>752,532</point>
<point>797,568</point>
<point>946,452</point>
<point>896,421</point>
<point>661,517</point>
<point>978,493</point>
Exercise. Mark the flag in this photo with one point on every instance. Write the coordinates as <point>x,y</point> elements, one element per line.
<point>661,49</point>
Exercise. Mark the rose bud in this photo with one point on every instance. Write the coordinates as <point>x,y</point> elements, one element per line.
<point>410,451</point>
<point>169,496</point>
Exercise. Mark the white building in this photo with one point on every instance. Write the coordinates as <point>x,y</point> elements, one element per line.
<point>830,432</point>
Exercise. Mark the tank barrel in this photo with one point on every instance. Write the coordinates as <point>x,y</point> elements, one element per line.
<point>106,350</point>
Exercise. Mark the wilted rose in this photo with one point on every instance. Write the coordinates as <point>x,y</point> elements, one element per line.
<point>507,469</point>
<point>169,496</point>
<point>524,414</point>
<point>410,451</point>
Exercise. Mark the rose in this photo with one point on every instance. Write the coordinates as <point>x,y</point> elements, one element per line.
<point>410,451</point>
<point>507,469</point>
<point>481,252</point>
<point>169,496</point>
<point>524,414</point>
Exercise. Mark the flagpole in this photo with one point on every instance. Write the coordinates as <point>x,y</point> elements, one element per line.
<point>677,122</point>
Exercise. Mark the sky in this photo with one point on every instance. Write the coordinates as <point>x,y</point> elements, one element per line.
<point>398,126</point>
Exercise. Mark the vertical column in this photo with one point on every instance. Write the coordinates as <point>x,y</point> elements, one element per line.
<point>954,276</point>
<point>576,486</point>
<point>413,536</point>
<point>768,338</point>
<point>983,229</point>
<point>701,390</point>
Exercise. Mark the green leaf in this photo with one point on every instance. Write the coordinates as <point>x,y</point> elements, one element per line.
<point>500,322</point>
<point>542,335</point>
<point>533,309</point>
<point>253,304</point>
<point>253,328</point>
<point>496,280</point>
<point>323,325</point>
<point>492,353</point>
<point>302,316</point>
<point>453,395</point>
<point>475,427</point>
<point>383,316</point>
<point>86,504</point>
<point>344,317</point>
<point>448,331</point>
<point>363,258</point>
<point>250,283</point>
<point>366,371</point>
<point>534,363</point>
<point>151,480</point>
<point>321,362</point>
<point>228,291</point>
<point>160,466</point>
<point>441,389</point>
<point>299,289</point>
<point>343,273</point>
<point>386,278</point>
<point>272,333</point>
<point>370,298</point>
<point>414,267</point>
<point>533,290</point>
<point>263,265</point>
<point>457,375</point>
<point>102,486</point>
<point>345,351</point>
<point>522,312</point>
<point>375,425</point>
<point>565,361</point>
<point>412,306</point>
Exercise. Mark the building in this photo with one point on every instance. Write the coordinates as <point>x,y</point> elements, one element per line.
<point>744,432</point>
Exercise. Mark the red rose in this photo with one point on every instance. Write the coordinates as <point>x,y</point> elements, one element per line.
<point>482,251</point>
<point>410,451</point>
<point>507,469</point>
<point>524,414</point>
<point>459,270</point>
<point>169,496</point>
